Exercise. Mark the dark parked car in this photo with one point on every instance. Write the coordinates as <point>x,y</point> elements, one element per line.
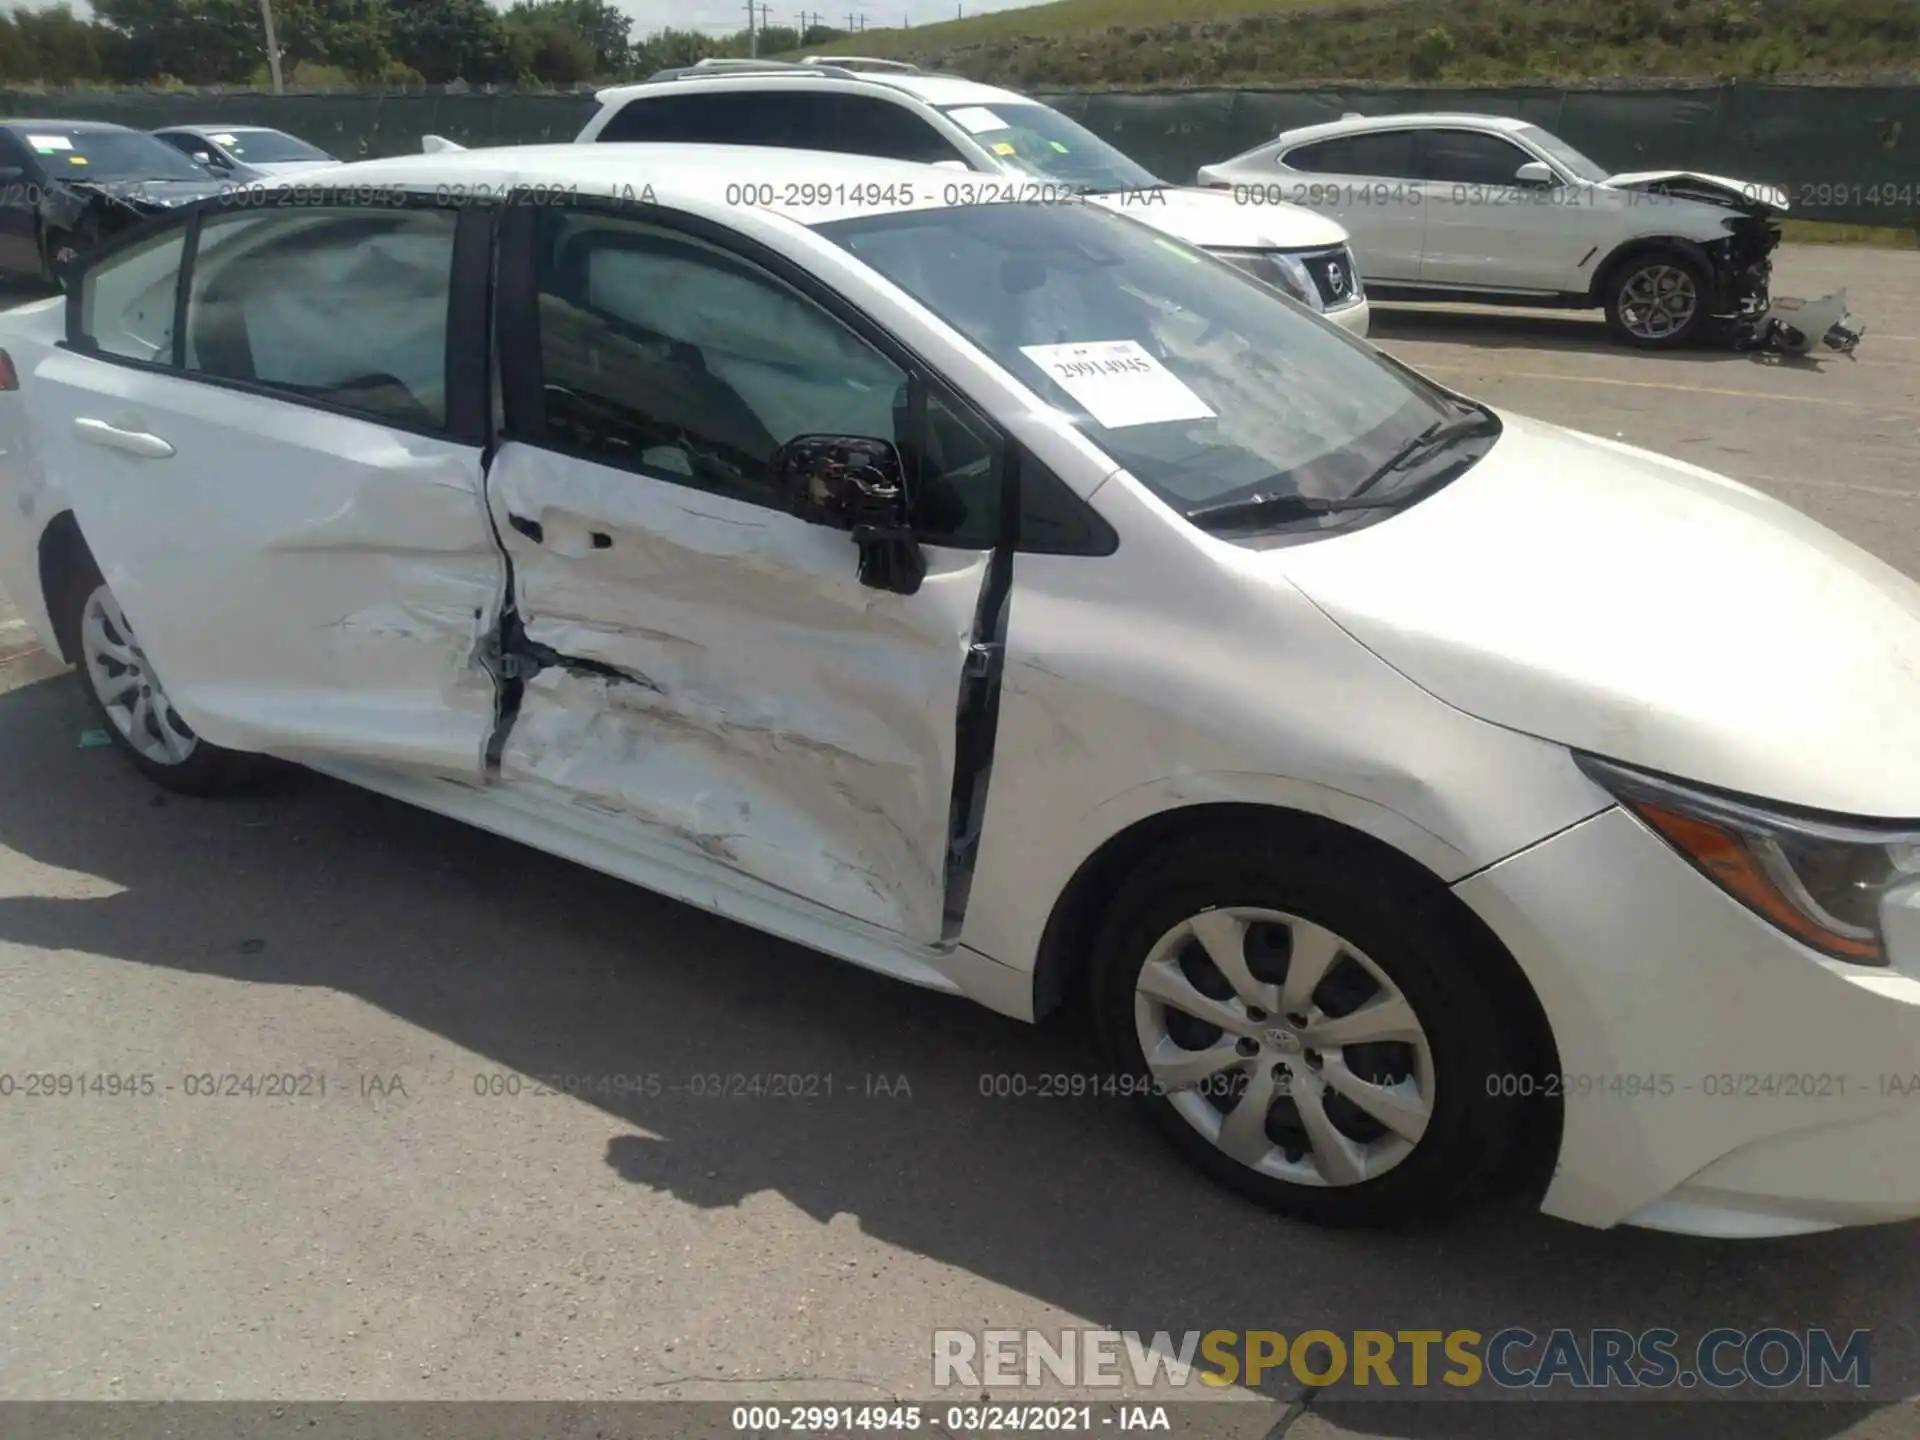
<point>66,185</point>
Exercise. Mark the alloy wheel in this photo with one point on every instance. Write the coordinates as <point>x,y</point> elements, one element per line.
<point>128,689</point>
<point>1285,1046</point>
<point>1658,302</point>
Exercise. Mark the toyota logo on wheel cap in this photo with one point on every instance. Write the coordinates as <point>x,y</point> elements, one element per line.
<point>1285,1041</point>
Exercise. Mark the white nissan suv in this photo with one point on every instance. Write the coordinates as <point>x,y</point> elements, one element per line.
<point>1491,208</point>
<point>895,111</point>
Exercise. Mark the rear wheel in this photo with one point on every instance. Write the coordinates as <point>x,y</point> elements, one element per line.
<point>128,699</point>
<point>1301,1025</point>
<point>1657,300</point>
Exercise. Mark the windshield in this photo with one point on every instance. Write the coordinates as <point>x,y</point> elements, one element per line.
<point>1570,159</point>
<point>1205,384</point>
<point>75,154</point>
<point>1040,141</point>
<point>265,147</point>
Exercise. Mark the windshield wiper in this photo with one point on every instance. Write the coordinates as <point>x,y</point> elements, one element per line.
<point>1437,438</point>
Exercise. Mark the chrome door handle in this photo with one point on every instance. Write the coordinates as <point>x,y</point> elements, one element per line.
<point>134,442</point>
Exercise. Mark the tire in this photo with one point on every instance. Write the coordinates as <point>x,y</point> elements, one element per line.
<point>1644,298</point>
<point>1388,934</point>
<point>172,756</point>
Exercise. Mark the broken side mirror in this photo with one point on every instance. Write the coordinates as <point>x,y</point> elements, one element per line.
<point>855,483</point>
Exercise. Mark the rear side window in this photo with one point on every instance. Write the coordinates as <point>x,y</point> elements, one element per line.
<point>127,304</point>
<point>348,308</point>
<point>1384,155</point>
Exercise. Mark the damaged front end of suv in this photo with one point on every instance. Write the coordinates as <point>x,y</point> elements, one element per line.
<point>1746,314</point>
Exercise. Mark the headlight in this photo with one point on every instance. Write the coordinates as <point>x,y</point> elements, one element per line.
<point>1286,273</point>
<point>1819,878</point>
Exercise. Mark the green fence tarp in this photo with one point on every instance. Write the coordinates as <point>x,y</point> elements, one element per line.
<point>1843,153</point>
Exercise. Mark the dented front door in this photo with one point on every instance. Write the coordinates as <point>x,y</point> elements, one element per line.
<point>691,660</point>
<point>713,673</point>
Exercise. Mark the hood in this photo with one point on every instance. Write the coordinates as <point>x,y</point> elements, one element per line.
<point>149,194</point>
<point>1214,220</point>
<point>1748,195</point>
<point>1646,610</point>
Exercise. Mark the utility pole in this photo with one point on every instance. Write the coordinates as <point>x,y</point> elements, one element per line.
<point>273,46</point>
<point>753,36</point>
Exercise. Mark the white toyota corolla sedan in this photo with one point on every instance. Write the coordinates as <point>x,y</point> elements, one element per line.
<point>1023,603</point>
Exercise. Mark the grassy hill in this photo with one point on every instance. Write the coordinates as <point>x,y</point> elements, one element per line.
<point>1062,18</point>
<point>1091,44</point>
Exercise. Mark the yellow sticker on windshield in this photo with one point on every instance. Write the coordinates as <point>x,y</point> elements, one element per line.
<point>1058,146</point>
<point>1001,147</point>
<point>76,159</point>
<point>1174,247</point>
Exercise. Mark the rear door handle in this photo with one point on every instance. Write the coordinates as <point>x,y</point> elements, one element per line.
<point>134,442</point>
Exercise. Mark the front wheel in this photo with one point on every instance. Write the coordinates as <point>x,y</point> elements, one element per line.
<point>131,705</point>
<point>1302,1027</point>
<point>1657,300</point>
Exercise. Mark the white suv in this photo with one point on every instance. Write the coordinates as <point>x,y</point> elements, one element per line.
<point>1491,208</point>
<point>898,112</point>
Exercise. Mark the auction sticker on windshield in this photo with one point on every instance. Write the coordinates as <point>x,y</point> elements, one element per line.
<point>1119,383</point>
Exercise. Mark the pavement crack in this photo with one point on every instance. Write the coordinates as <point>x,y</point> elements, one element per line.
<point>1292,1413</point>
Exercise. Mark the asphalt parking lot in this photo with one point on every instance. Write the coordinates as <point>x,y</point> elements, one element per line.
<point>419,1232</point>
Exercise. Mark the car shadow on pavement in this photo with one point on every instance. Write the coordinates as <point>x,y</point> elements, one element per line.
<point>546,968</point>
<point>1556,330</point>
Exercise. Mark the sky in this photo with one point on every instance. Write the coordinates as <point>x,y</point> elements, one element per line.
<point>725,17</point>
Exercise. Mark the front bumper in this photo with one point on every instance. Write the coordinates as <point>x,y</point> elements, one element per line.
<point>1355,318</point>
<point>1715,1076</point>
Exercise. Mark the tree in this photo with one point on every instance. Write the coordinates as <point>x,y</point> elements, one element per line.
<point>604,27</point>
<point>352,36</point>
<point>450,40</point>
<point>203,42</point>
<point>544,46</point>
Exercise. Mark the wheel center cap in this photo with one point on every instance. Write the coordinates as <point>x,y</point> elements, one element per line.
<point>1285,1039</point>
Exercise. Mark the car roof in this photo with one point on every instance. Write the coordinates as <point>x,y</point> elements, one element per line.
<point>12,124</point>
<point>622,169</point>
<point>1363,124</point>
<point>934,89</point>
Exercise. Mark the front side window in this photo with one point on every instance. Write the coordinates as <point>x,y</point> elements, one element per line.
<point>1208,388</point>
<point>1038,140</point>
<point>69,152</point>
<point>1467,157</point>
<point>802,121</point>
<point>1569,159</point>
<point>868,125</point>
<point>662,353</point>
<point>344,307</point>
<point>267,147</point>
